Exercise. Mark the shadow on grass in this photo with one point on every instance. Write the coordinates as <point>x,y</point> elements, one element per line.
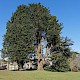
<point>25,70</point>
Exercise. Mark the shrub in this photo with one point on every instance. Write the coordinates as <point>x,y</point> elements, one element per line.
<point>59,63</point>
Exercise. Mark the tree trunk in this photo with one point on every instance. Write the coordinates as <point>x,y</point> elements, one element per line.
<point>20,65</point>
<point>39,57</point>
<point>40,65</point>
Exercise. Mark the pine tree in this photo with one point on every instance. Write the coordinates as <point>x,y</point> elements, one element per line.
<point>18,40</point>
<point>24,32</point>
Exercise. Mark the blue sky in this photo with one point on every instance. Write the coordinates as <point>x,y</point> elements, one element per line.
<point>67,12</point>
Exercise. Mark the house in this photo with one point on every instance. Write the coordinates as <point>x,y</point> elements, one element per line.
<point>29,65</point>
<point>3,64</point>
<point>12,66</point>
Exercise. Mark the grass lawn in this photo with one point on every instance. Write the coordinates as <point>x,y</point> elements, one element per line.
<point>38,75</point>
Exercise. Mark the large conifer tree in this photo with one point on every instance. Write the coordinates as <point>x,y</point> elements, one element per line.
<point>24,31</point>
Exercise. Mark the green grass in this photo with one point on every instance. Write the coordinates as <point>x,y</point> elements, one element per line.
<point>38,75</point>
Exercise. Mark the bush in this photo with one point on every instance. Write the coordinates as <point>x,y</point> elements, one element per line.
<point>59,63</point>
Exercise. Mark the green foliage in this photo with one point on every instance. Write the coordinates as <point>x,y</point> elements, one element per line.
<point>23,29</point>
<point>19,38</point>
<point>74,53</point>
<point>57,43</point>
<point>53,32</point>
<point>39,19</point>
<point>62,47</point>
<point>59,63</point>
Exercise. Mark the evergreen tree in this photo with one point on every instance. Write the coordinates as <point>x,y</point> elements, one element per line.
<point>59,63</point>
<point>54,31</point>
<point>18,40</point>
<point>24,32</point>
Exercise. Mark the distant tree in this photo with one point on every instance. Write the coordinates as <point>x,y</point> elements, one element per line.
<point>74,61</point>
